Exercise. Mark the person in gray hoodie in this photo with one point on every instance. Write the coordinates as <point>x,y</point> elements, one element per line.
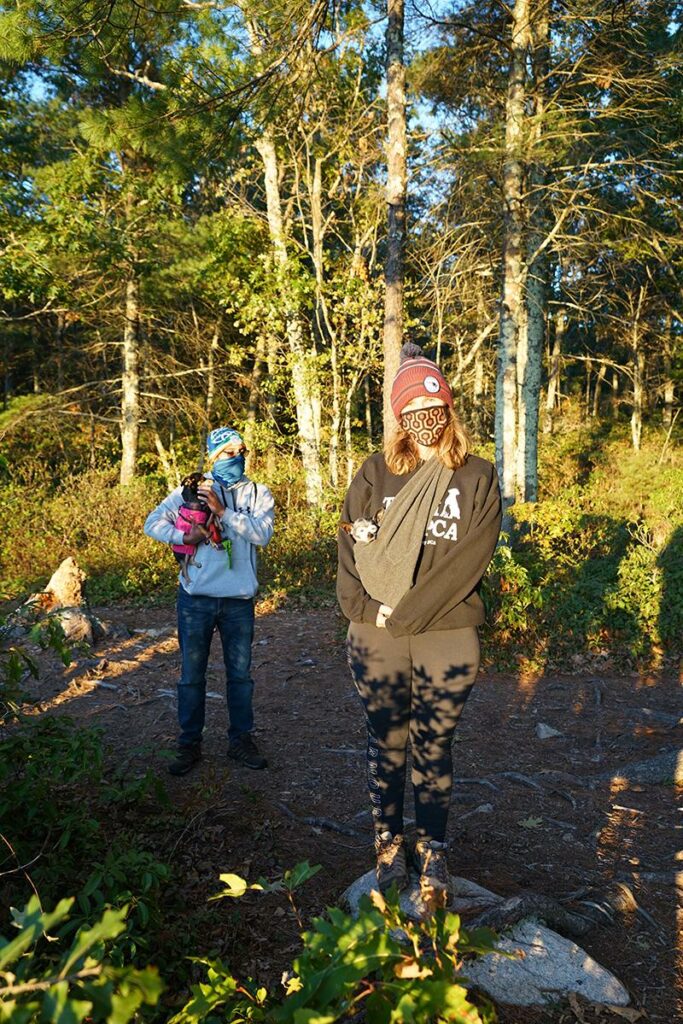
<point>216,592</point>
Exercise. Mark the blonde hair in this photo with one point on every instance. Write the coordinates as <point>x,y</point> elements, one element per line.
<point>403,456</point>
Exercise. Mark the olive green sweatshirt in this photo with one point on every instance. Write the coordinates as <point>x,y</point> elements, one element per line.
<point>458,544</point>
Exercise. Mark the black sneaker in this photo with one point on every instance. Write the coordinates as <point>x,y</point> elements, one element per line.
<point>185,760</point>
<point>244,750</point>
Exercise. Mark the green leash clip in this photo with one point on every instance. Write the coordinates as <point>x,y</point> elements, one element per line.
<point>227,546</point>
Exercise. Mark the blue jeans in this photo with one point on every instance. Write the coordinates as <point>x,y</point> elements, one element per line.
<point>198,617</point>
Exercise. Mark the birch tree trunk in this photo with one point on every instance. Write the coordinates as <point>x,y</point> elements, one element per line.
<point>531,351</point>
<point>396,202</point>
<point>512,299</point>
<point>130,383</point>
<point>668,391</point>
<point>336,415</point>
<point>638,371</point>
<point>304,384</point>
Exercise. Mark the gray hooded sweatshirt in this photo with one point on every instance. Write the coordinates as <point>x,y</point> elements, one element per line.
<point>247,522</point>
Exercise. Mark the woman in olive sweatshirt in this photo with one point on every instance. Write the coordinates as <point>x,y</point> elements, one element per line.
<point>412,597</point>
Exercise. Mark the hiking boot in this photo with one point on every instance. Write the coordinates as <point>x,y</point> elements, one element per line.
<point>391,862</point>
<point>185,760</point>
<point>429,858</point>
<point>244,750</point>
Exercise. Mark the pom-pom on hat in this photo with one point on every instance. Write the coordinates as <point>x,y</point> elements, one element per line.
<point>416,376</point>
<point>219,438</point>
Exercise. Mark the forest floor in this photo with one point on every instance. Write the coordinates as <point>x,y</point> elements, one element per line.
<point>544,829</point>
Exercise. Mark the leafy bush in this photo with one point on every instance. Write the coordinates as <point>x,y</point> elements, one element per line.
<point>54,771</point>
<point>41,980</point>
<point>381,964</point>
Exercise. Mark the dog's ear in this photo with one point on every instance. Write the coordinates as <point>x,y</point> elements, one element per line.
<point>346,527</point>
<point>379,515</point>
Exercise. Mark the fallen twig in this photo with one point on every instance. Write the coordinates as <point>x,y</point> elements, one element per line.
<point>327,823</point>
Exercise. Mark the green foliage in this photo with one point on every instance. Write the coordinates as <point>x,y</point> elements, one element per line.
<point>596,564</point>
<point>99,523</point>
<point>43,979</point>
<point>55,772</point>
<point>380,963</point>
<point>16,662</point>
<point>291,880</point>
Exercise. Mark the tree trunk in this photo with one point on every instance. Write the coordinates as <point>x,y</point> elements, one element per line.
<point>478,394</point>
<point>302,367</point>
<point>554,370</point>
<point>253,400</point>
<point>637,413</point>
<point>668,391</point>
<point>7,375</point>
<point>597,391</point>
<point>166,459</point>
<point>130,397</point>
<point>35,349</point>
<point>335,425</point>
<point>347,431</point>
<point>396,203</point>
<point>614,397</point>
<point>368,411</point>
<point>211,373</point>
<point>531,352</point>
<point>637,369</point>
<point>587,393</point>
<point>59,346</point>
<point>512,299</point>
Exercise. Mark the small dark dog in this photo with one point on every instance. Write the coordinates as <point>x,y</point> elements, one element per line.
<point>190,490</point>
<point>194,511</point>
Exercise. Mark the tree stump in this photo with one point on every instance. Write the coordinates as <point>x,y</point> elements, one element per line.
<point>62,599</point>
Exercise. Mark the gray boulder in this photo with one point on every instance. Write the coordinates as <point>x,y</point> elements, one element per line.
<point>544,968</point>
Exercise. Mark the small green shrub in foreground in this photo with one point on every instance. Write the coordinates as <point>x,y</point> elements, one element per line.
<point>381,963</point>
<point>44,979</point>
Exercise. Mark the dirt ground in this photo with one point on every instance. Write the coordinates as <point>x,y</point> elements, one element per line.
<point>527,815</point>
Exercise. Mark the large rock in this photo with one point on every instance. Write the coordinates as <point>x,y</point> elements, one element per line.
<point>545,966</point>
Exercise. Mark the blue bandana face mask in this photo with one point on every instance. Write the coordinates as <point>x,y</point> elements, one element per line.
<point>228,471</point>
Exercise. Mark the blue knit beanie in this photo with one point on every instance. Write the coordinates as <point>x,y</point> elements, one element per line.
<point>218,439</point>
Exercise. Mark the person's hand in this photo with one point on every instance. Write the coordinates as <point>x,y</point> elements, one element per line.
<point>382,616</point>
<point>196,535</point>
<point>206,491</point>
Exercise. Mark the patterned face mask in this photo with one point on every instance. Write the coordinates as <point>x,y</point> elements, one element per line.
<point>426,425</point>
